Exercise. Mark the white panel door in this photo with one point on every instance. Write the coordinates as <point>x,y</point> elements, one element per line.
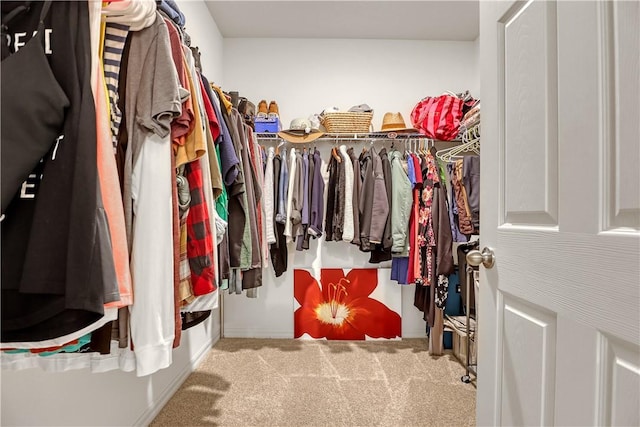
<point>559,330</point>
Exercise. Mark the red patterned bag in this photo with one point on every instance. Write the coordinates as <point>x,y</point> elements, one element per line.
<point>438,117</point>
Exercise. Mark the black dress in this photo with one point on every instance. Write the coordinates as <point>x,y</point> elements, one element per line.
<point>57,261</point>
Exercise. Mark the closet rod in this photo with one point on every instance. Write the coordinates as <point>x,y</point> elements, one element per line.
<point>350,137</point>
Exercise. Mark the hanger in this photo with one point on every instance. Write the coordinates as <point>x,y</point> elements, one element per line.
<point>335,154</point>
<point>423,149</point>
<point>281,143</point>
<point>470,143</point>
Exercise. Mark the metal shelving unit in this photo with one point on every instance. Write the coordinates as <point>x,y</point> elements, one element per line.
<point>350,137</point>
<point>467,326</point>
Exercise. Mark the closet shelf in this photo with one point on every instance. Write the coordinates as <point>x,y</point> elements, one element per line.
<point>351,137</point>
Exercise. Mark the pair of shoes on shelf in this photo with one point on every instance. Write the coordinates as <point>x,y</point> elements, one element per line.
<point>271,111</point>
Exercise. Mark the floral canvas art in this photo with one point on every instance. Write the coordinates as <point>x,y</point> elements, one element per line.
<point>353,306</point>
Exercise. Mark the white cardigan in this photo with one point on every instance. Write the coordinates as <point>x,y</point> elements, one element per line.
<point>348,231</point>
<point>268,202</point>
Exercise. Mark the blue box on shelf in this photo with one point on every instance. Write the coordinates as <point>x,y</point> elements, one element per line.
<point>267,124</point>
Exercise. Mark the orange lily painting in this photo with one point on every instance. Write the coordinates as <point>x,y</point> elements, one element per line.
<point>343,307</point>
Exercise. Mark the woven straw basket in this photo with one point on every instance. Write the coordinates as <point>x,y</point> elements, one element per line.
<point>347,122</point>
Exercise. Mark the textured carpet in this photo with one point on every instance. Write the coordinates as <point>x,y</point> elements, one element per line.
<point>259,382</point>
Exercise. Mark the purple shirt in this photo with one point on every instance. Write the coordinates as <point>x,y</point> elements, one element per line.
<point>411,173</point>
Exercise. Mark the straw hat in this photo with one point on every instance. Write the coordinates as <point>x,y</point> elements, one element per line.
<point>393,122</point>
<point>300,131</point>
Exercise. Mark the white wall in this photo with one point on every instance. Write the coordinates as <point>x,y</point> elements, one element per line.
<point>306,75</point>
<point>271,314</point>
<point>476,60</point>
<point>205,35</point>
<point>34,397</point>
<point>79,398</point>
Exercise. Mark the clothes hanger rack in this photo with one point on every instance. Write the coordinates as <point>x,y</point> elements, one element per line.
<point>354,137</point>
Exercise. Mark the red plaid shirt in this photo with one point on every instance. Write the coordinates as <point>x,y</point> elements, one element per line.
<point>199,237</point>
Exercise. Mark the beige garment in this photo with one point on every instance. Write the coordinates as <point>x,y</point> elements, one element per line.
<point>186,290</point>
<point>227,104</point>
<point>436,345</point>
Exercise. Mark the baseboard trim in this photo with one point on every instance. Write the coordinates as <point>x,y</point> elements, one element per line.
<point>414,334</point>
<point>256,333</point>
<point>152,411</point>
<point>267,333</point>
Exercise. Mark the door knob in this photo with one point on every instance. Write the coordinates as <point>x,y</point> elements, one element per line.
<point>486,258</point>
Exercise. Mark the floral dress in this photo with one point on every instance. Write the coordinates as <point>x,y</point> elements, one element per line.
<point>426,238</point>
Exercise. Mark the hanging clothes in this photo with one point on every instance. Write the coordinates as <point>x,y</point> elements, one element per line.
<point>252,275</point>
<point>257,160</point>
<point>107,167</point>
<point>148,194</point>
<point>238,214</point>
<point>108,180</point>
<point>380,202</point>
<point>464,212</point>
<point>304,212</point>
<point>413,270</point>
<point>269,199</point>
<point>60,271</point>
<point>382,251</point>
<point>278,249</point>
<point>400,203</point>
<point>349,226</point>
<point>357,189</point>
<point>435,253</point>
<point>339,201</point>
<point>317,196</point>
<point>288,219</point>
<point>332,168</point>
<point>400,263</point>
<point>366,199</point>
<point>471,180</point>
<point>453,206</point>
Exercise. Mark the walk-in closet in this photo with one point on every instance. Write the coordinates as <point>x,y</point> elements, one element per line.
<point>302,213</point>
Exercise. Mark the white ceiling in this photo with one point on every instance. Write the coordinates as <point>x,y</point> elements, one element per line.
<point>404,20</point>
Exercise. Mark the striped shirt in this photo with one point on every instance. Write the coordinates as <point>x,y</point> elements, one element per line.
<point>114,40</point>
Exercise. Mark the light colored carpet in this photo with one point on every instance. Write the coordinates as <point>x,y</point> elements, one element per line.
<point>260,382</point>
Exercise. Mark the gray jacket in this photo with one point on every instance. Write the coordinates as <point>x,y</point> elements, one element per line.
<point>297,199</point>
<point>366,199</point>
<point>380,206</point>
<point>387,240</point>
<point>401,202</point>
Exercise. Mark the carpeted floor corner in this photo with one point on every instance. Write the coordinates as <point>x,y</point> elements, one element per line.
<point>269,382</point>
